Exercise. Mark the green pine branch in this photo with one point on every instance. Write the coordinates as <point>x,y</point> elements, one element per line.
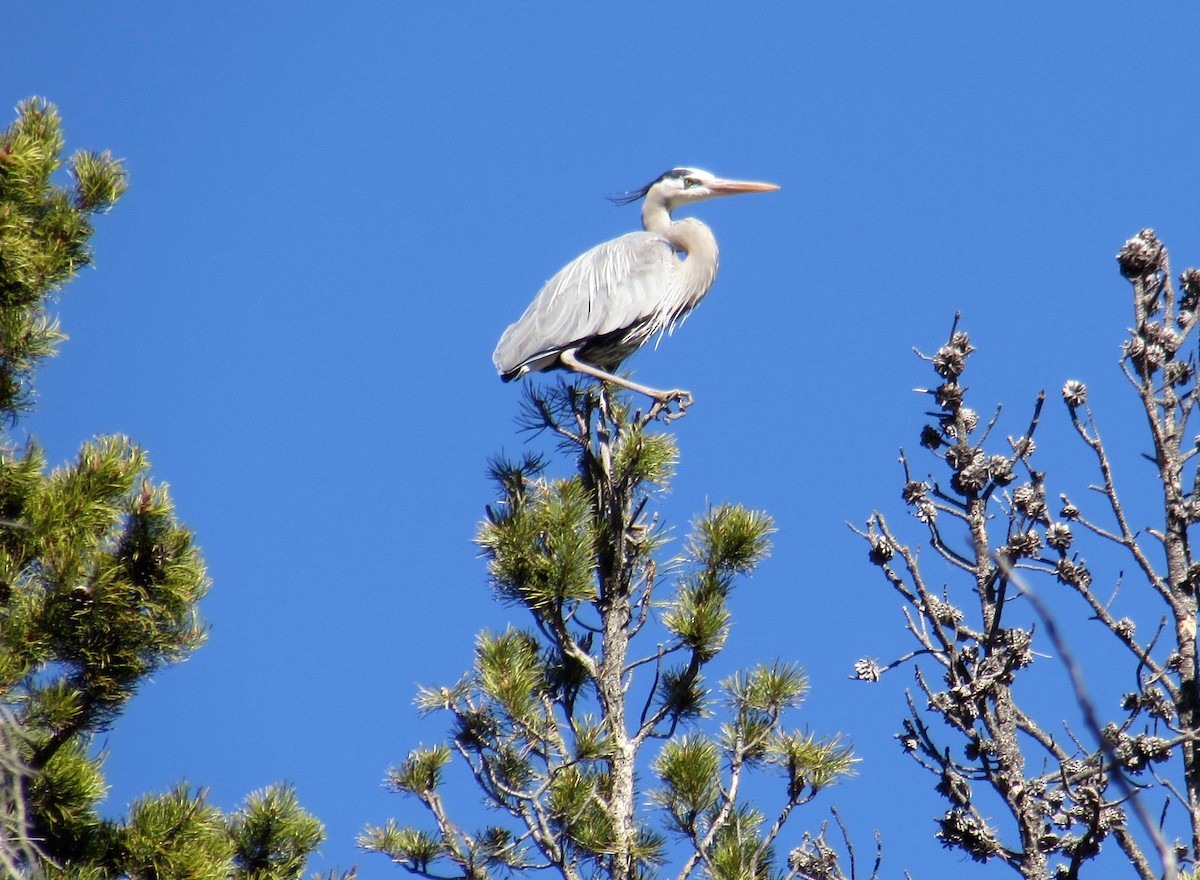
<point>557,722</point>
<point>99,584</point>
<point>44,232</point>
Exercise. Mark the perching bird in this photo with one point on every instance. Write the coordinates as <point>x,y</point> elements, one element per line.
<point>605,304</point>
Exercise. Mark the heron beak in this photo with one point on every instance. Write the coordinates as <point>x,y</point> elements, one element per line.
<point>729,187</point>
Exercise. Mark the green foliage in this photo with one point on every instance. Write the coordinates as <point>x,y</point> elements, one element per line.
<point>104,583</point>
<point>410,847</point>
<point>541,545</point>
<point>175,835</point>
<point>690,769</point>
<point>731,540</point>
<point>640,458</point>
<point>99,585</point>
<point>575,806</point>
<point>272,836</point>
<point>700,617</point>
<point>180,835</point>
<point>591,741</point>
<point>44,232</point>
<point>510,672</point>
<point>737,852</point>
<point>551,720</point>
<point>63,799</point>
<point>810,764</point>
<point>421,773</point>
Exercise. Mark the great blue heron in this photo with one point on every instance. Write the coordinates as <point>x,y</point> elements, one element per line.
<point>605,304</point>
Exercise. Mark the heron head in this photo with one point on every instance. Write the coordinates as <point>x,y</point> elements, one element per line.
<point>682,186</point>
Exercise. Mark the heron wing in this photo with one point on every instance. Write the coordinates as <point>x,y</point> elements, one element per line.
<point>614,286</point>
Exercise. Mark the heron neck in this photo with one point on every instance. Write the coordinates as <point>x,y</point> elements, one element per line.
<point>691,237</point>
<point>656,216</point>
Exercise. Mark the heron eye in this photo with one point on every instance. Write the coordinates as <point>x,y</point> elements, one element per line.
<point>689,182</point>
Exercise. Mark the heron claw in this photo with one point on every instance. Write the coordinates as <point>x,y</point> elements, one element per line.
<point>662,405</point>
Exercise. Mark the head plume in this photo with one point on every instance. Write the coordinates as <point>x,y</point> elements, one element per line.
<point>628,198</point>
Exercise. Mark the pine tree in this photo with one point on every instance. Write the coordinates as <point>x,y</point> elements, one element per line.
<point>1049,794</point>
<point>99,584</point>
<point>571,724</point>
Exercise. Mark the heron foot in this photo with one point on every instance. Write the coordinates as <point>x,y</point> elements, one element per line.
<point>663,401</point>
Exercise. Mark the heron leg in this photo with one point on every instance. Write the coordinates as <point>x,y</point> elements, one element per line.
<point>662,399</point>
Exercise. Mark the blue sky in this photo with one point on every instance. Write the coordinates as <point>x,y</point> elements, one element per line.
<point>334,213</point>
